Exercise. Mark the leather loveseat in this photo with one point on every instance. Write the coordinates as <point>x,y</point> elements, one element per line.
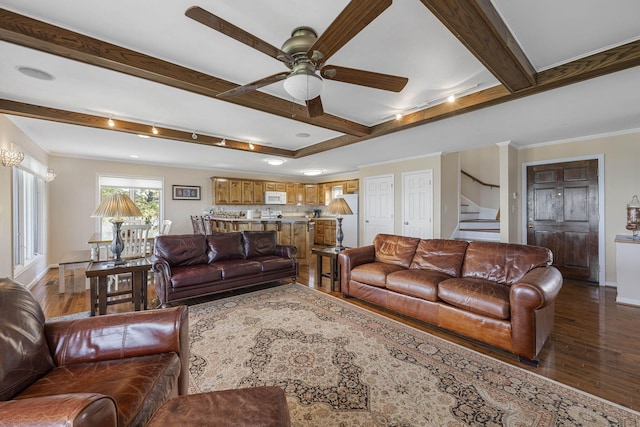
<point>192,265</point>
<point>499,293</point>
<point>113,370</point>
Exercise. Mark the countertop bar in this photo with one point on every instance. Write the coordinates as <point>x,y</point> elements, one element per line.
<point>284,220</point>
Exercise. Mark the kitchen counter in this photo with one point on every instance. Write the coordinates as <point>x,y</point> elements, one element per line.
<point>262,219</point>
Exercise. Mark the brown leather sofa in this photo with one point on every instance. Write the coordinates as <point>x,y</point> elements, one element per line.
<point>499,293</point>
<point>114,370</point>
<point>192,265</point>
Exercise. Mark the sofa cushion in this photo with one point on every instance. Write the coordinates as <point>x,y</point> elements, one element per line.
<point>374,273</point>
<point>274,263</point>
<point>194,275</point>
<point>504,263</point>
<point>416,283</point>
<point>477,296</point>
<point>24,353</point>
<point>223,246</point>
<point>185,249</point>
<point>139,385</point>
<point>441,255</point>
<point>396,250</point>
<point>238,267</point>
<point>259,243</point>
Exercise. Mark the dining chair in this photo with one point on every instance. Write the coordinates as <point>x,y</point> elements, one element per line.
<point>135,238</point>
<point>166,227</point>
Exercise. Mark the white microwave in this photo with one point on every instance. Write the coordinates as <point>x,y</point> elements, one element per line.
<point>275,198</point>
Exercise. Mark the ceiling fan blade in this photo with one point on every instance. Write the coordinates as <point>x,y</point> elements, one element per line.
<point>314,107</point>
<point>212,21</point>
<point>364,78</point>
<point>353,19</point>
<point>253,85</point>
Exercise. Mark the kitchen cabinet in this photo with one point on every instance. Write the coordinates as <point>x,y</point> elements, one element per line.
<point>235,191</point>
<point>311,194</point>
<point>247,192</point>
<point>318,235</point>
<point>221,191</point>
<point>258,192</point>
<point>238,191</point>
<point>290,188</point>
<point>351,186</point>
<point>330,233</point>
<point>274,186</point>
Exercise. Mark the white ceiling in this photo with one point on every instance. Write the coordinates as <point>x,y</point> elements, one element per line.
<point>406,40</point>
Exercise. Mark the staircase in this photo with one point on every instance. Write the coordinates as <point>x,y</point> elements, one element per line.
<point>477,224</point>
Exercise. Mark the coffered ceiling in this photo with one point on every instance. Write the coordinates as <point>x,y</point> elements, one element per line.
<point>526,72</point>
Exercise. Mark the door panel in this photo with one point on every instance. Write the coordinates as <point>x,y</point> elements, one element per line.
<point>562,212</point>
<point>378,207</point>
<point>417,209</point>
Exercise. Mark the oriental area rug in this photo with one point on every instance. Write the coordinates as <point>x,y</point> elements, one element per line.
<point>341,365</point>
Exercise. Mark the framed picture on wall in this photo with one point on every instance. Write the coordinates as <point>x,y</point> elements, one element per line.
<point>186,192</point>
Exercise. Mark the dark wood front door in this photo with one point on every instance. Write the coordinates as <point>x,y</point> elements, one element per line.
<point>562,214</point>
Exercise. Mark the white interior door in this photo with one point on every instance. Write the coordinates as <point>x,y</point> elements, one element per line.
<point>417,204</point>
<point>378,206</point>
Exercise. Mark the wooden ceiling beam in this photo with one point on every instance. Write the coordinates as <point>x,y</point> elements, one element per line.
<point>481,30</point>
<point>71,117</point>
<point>34,34</point>
<point>599,64</point>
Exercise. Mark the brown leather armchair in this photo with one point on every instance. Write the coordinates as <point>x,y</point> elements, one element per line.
<point>113,370</point>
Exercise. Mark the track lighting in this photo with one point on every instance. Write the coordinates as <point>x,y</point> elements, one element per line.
<point>223,142</point>
<point>154,130</point>
<point>398,116</point>
<point>110,122</point>
<point>251,146</point>
<point>194,135</point>
<point>451,98</point>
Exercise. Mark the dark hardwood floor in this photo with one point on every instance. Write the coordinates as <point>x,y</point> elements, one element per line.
<point>594,346</point>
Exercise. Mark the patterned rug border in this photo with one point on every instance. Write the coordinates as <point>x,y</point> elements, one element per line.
<point>480,357</point>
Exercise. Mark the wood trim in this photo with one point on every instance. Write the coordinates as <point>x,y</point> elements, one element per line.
<point>80,119</point>
<point>31,33</point>
<point>480,28</point>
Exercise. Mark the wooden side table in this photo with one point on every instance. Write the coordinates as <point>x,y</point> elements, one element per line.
<point>334,270</point>
<point>98,273</point>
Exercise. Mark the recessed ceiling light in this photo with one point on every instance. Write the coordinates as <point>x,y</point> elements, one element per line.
<point>35,73</point>
<point>303,135</point>
<point>275,162</point>
<point>313,172</point>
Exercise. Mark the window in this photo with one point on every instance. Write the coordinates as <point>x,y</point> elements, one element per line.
<point>145,193</point>
<point>28,207</point>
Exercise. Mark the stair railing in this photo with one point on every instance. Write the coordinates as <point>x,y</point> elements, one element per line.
<point>474,179</point>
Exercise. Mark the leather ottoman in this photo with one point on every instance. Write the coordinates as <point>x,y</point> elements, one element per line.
<point>243,407</point>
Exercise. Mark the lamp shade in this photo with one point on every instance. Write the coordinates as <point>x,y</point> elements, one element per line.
<point>338,206</point>
<point>304,85</point>
<point>117,206</point>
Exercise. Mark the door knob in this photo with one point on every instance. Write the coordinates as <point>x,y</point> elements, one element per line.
<point>406,223</point>
<point>530,225</point>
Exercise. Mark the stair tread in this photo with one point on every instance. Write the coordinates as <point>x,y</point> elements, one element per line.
<point>481,220</point>
<point>489,230</point>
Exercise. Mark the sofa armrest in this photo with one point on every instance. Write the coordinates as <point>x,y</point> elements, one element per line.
<point>351,258</point>
<point>536,289</point>
<point>287,251</point>
<point>78,410</point>
<point>532,301</point>
<point>161,277</point>
<point>119,336</point>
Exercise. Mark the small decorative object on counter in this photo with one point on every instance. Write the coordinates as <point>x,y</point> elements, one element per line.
<point>633,216</point>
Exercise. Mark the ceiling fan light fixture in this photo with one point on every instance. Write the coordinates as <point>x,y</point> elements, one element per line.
<point>275,162</point>
<point>304,85</point>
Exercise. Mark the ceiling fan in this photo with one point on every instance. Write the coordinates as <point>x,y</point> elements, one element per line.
<point>305,54</point>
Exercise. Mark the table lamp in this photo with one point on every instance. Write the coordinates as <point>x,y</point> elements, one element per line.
<point>339,207</point>
<point>117,206</point>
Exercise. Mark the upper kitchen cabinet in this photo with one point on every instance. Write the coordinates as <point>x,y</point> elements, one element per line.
<point>220,191</point>
<point>351,186</point>
<point>311,194</point>
<point>258,192</point>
